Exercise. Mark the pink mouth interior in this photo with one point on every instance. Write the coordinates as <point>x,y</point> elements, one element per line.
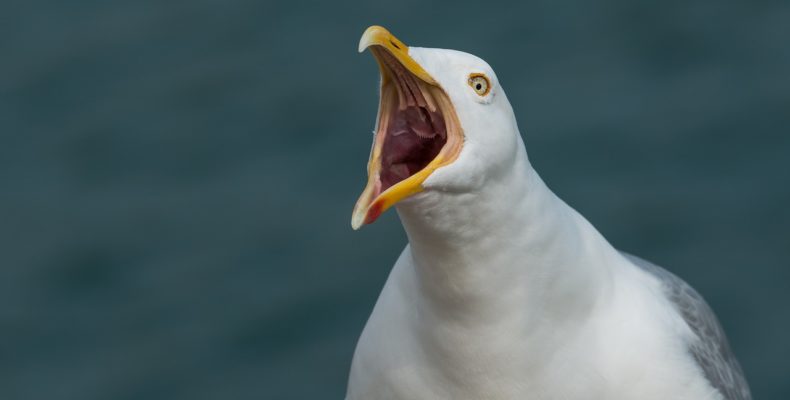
<point>415,133</point>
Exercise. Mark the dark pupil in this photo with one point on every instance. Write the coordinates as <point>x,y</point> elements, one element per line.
<point>479,86</point>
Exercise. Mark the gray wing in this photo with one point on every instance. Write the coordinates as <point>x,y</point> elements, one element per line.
<point>712,351</point>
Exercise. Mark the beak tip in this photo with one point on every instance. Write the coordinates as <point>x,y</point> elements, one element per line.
<point>357,220</point>
<point>355,225</point>
<point>370,214</point>
<point>372,36</point>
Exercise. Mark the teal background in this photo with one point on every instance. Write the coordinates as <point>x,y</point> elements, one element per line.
<point>178,177</point>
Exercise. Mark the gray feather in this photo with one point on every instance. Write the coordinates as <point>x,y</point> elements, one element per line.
<point>712,350</point>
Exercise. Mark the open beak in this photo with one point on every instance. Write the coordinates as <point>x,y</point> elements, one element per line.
<point>417,130</point>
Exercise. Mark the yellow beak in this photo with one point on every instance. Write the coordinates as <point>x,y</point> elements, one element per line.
<point>371,202</point>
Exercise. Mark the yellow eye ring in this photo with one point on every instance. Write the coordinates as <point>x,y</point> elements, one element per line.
<point>480,84</point>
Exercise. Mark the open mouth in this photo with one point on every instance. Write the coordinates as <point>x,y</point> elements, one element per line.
<point>418,130</point>
<point>412,127</point>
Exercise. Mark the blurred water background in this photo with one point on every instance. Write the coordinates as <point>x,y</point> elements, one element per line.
<point>178,177</point>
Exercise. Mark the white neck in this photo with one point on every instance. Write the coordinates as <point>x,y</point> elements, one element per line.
<point>511,257</point>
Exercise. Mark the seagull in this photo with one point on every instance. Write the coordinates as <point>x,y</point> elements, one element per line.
<point>504,291</point>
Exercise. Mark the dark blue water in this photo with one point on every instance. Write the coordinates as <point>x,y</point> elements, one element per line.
<point>178,177</point>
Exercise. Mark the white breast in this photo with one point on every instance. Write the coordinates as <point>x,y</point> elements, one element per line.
<point>630,346</point>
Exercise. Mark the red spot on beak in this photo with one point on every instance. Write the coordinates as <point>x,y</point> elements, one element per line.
<point>373,212</point>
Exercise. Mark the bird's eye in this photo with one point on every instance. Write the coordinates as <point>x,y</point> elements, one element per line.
<point>479,84</point>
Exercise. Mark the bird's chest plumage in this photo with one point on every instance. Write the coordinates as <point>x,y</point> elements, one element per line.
<point>406,353</point>
<point>397,366</point>
<point>394,363</point>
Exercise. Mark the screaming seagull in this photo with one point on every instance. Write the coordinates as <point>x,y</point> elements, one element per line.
<point>504,291</point>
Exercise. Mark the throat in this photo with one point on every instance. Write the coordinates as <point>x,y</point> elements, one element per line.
<point>514,251</point>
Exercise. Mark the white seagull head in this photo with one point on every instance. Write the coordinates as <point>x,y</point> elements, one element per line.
<point>444,124</point>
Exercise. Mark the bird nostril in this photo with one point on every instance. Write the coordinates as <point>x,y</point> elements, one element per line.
<point>394,44</point>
